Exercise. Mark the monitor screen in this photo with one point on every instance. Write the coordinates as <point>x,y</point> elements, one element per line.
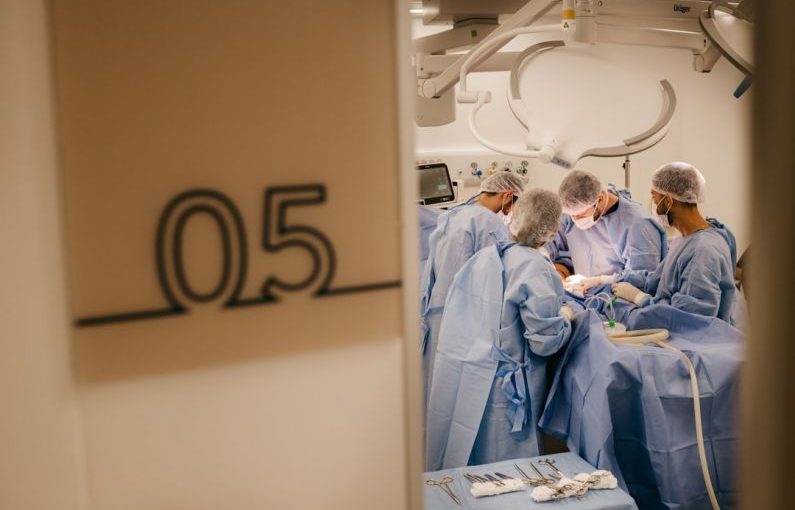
<point>435,184</point>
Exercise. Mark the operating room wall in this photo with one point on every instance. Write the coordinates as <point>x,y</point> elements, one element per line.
<point>710,129</point>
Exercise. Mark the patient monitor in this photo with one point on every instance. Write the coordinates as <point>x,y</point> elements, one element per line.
<point>435,184</point>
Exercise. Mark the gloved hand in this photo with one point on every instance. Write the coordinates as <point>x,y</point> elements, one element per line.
<point>593,281</point>
<point>631,293</point>
<point>567,313</point>
<point>580,286</point>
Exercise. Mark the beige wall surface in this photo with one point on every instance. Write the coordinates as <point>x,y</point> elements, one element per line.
<point>280,404</point>
<point>39,454</point>
<point>159,98</point>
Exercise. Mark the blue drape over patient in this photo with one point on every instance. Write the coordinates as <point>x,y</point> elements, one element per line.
<point>501,319</point>
<point>630,409</point>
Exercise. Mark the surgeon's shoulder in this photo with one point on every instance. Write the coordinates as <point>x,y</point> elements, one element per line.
<point>708,248</point>
<point>461,216</point>
<point>633,210</point>
<point>542,275</point>
<point>483,215</point>
<point>528,261</point>
<point>722,230</point>
<point>566,224</point>
<point>485,259</point>
<point>428,215</point>
<point>639,222</point>
<point>717,240</point>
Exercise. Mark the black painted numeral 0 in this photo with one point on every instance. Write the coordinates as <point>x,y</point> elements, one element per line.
<point>170,255</point>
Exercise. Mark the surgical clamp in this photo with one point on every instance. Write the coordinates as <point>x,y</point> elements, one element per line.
<point>547,481</point>
<point>530,480</point>
<point>482,479</point>
<point>494,479</point>
<point>444,484</point>
<point>550,463</point>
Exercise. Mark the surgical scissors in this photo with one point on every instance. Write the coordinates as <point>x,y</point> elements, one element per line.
<point>444,484</point>
<point>546,480</point>
<point>532,481</point>
<point>494,479</point>
<point>550,463</point>
<point>483,479</point>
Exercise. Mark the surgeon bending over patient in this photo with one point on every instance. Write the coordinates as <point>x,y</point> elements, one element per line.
<point>697,275</point>
<point>603,232</point>
<point>459,233</point>
<point>502,317</point>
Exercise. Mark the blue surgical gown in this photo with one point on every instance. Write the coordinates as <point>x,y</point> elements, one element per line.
<point>428,217</point>
<point>697,276</point>
<point>624,239</point>
<point>460,232</point>
<point>500,321</point>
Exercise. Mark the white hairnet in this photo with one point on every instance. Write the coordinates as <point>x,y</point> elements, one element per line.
<point>502,182</point>
<point>682,181</point>
<point>536,217</point>
<point>578,191</point>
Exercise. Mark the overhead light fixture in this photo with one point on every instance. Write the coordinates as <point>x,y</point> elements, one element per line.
<point>730,29</point>
<point>416,10</point>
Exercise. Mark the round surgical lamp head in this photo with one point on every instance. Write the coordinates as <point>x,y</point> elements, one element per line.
<point>564,148</point>
<point>731,30</point>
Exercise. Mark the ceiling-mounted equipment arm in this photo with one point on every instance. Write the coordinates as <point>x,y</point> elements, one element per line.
<point>731,30</point>
<point>738,51</point>
<point>547,152</point>
<point>487,49</point>
<point>648,138</point>
<point>527,15</point>
<point>631,145</point>
<point>514,94</point>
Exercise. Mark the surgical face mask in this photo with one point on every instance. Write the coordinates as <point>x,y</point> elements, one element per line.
<point>506,217</point>
<point>584,223</point>
<point>588,221</point>
<point>661,218</point>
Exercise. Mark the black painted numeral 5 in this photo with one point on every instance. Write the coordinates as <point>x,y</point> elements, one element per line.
<point>278,234</point>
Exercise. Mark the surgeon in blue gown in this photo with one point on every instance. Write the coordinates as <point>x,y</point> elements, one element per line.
<point>603,232</point>
<point>428,217</point>
<point>697,276</point>
<point>461,232</point>
<point>503,317</point>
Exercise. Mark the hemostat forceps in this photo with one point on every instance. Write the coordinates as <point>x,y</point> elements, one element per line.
<point>547,481</point>
<point>550,463</point>
<point>494,480</point>
<point>444,484</point>
<point>532,481</point>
